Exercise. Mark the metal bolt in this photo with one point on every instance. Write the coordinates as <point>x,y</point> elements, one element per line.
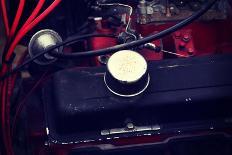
<point>186,38</point>
<point>103,59</point>
<point>130,126</point>
<point>190,51</point>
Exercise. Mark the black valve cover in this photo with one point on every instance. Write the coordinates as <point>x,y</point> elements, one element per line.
<point>79,106</point>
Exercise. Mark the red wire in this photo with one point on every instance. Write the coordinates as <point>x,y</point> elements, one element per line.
<point>6,83</point>
<point>29,24</point>
<point>8,133</point>
<point>15,75</point>
<point>11,83</point>
<point>6,24</point>
<point>3,121</point>
<point>34,13</point>
<point>3,113</point>
<point>10,33</point>
<point>17,18</point>
<point>28,27</point>
<point>29,20</point>
<point>3,69</point>
<point>23,31</point>
<point>5,17</point>
<point>22,103</point>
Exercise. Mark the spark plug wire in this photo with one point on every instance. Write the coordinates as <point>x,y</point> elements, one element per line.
<point>27,28</point>
<point>5,17</point>
<point>6,85</point>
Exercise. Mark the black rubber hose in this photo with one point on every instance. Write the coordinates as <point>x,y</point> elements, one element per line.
<point>145,40</point>
<point>114,48</point>
<point>73,39</point>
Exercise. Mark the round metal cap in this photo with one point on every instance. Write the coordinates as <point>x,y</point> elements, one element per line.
<point>41,41</point>
<point>127,73</point>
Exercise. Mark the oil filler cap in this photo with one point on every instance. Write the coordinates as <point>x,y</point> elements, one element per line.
<point>127,74</point>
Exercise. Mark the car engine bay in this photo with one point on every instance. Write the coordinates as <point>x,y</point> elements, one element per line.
<point>116,77</point>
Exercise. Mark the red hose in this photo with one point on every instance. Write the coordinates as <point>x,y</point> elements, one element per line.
<point>27,28</point>
<point>5,17</point>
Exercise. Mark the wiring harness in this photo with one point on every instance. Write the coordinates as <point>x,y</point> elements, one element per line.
<point>13,38</point>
